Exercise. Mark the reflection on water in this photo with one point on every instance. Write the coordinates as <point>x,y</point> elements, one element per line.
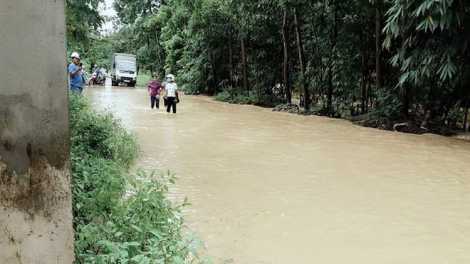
<point>277,188</point>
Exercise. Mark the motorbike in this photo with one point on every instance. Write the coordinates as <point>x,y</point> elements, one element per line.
<point>100,80</point>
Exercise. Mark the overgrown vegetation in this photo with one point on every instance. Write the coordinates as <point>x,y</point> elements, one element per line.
<point>119,217</point>
<point>398,60</point>
<point>392,59</point>
<point>248,98</point>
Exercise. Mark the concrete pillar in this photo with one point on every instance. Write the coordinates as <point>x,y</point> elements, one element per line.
<point>35,195</point>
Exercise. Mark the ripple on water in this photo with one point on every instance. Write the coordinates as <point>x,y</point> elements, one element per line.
<point>275,188</point>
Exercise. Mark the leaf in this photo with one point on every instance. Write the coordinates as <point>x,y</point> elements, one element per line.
<point>135,244</point>
<point>137,258</point>
<point>178,260</point>
<point>138,229</point>
<point>431,20</point>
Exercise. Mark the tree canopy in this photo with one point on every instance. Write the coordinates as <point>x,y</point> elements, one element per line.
<point>392,58</point>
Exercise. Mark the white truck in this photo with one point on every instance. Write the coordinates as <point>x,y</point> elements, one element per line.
<point>124,69</point>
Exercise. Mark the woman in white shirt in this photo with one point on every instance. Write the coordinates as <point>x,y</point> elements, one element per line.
<point>171,92</point>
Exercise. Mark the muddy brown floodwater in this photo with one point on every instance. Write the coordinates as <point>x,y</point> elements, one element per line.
<point>269,187</point>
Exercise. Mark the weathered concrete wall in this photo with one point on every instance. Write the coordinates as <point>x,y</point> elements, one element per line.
<point>35,195</point>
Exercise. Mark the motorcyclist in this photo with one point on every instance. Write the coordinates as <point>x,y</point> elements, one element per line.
<point>96,75</point>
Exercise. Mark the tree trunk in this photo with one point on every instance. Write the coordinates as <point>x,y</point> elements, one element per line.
<point>158,51</point>
<point>245,67</point>
<point>319,59</point>
<point>466,114</point>
<point>369,91</point>
<point>255,68</point>
<point>151,67</point>
<point>285,37</point>
<point>378,45</point>
<point>330,69</point>
<point>306,94</point>
<point>363,83</point>
<point>230,58</point>
<point>466,119</point>
<point>150,7</point>
<point>214,81</point>
<point>157,54</point>
<point>404,99</point>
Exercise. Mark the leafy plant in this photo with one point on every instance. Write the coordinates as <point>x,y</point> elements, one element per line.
<point>119,217</point>
<point>388,105</point>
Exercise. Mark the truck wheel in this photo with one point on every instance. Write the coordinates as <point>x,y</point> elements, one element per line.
<point>131,84</point>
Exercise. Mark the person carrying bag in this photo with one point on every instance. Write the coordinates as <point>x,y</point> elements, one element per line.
<point>171,93</point>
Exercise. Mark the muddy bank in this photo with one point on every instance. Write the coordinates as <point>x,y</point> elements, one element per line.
<point>412,127</point>
<point>404,126</point>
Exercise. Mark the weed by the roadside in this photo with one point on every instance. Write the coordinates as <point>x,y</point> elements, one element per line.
<point>119,217</point>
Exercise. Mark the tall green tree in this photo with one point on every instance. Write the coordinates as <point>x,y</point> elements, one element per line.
<point>83,20</point>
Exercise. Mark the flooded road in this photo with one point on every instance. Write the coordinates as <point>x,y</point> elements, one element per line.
<point>277,188</point>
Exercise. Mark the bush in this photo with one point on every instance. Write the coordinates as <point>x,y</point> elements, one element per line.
<point>248,98</point>
<point>118,217</point>
<point>223,96</point>
<point>388,105</point>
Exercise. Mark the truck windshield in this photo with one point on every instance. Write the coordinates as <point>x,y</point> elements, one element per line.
<point>126,66</point>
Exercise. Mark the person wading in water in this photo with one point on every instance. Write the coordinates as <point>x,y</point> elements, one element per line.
<point>154,87</point>
<point>171,93</point>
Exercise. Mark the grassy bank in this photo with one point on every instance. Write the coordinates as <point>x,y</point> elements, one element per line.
<point>143,79</point>
<point>119,217</point>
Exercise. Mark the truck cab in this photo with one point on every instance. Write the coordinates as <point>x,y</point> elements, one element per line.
<point>124,69</point>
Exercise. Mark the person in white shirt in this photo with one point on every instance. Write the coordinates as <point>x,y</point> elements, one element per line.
<point>171,93</point>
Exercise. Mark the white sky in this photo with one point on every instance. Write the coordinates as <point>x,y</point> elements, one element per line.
<point>107,10</point>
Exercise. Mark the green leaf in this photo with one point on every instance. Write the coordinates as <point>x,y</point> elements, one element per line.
<point>138,229</point>
<point>135,244</point>
<point>178,260</point>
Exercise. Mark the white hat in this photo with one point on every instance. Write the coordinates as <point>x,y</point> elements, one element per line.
<point>75,55</point>
<point>171,76</point>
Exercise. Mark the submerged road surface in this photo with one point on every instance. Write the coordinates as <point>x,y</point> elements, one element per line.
<point>278,188</point>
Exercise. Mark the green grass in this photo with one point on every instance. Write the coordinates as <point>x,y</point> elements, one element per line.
<point>143,78</point>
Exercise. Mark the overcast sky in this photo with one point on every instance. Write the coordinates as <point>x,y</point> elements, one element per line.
<point>107,10</point>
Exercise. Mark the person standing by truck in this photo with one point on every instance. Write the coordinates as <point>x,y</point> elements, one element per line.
<point>75,73</point>
<point>154,87</point>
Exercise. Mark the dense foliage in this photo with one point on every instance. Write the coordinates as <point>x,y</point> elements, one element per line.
<point>394,58</point>
<point>84,36</point>
<point>83,22</point>
<point>119,217</point>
